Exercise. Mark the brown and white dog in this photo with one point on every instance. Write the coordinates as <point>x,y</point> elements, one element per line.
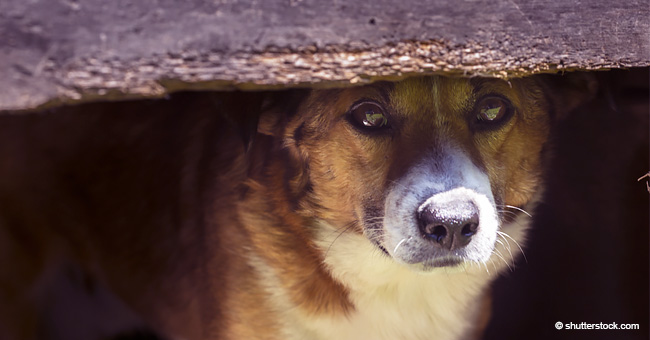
<point>374,212</point>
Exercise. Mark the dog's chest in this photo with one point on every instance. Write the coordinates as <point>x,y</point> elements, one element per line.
<point>418,314</point>
<point>391,301</point>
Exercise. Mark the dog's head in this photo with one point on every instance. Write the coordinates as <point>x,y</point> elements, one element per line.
<point>427,169</point>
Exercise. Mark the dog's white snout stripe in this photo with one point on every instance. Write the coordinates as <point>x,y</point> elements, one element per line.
<point>453,177</point>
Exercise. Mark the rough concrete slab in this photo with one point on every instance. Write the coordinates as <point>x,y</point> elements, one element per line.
<point>54,51</point>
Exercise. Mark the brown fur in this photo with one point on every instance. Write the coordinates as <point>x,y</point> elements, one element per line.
<point>161,202</point>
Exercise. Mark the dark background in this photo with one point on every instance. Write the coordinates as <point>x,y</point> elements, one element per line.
<point>587,255</point>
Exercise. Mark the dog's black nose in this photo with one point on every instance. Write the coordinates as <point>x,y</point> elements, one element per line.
<point>450,224</point>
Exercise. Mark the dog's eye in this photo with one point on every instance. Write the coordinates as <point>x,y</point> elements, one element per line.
<point>369,115</point>
<point>493,109</point>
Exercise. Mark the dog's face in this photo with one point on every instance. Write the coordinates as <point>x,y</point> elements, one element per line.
<point>428,169</point>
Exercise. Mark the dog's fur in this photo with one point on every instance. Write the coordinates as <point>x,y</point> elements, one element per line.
<point>155,215</point>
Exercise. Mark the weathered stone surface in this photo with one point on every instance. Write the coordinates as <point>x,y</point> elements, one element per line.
<point>54,51</point>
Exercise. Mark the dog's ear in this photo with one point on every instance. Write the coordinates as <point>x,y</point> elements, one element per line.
<point>277,110</point>
<point>271,118</point>
<point>277,123</point>
<point>251,113</point>
<point>569,91</point>
<point>242,110</point>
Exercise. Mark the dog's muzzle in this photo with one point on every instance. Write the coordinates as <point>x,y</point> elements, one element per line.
<point>441,213</point>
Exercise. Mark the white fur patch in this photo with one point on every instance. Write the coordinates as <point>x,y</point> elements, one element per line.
<point>392,301</point>
<point>448,175</point>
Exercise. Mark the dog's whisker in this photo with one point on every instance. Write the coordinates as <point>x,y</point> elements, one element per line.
<point>516,208</point>
<point>500,242</point>
<point>512,258</point>
<point>343,230</point>
<point>503,238</point>
<point>494,266</point>
<point>506,236</point>
<point>516,243</point>
<point>399,244</point>
<point>486,268</point>
<point>506,216</point>
<point>507,212</point>
<point>498,254</point>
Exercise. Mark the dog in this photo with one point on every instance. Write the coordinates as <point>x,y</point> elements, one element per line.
<point>381,211</point>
